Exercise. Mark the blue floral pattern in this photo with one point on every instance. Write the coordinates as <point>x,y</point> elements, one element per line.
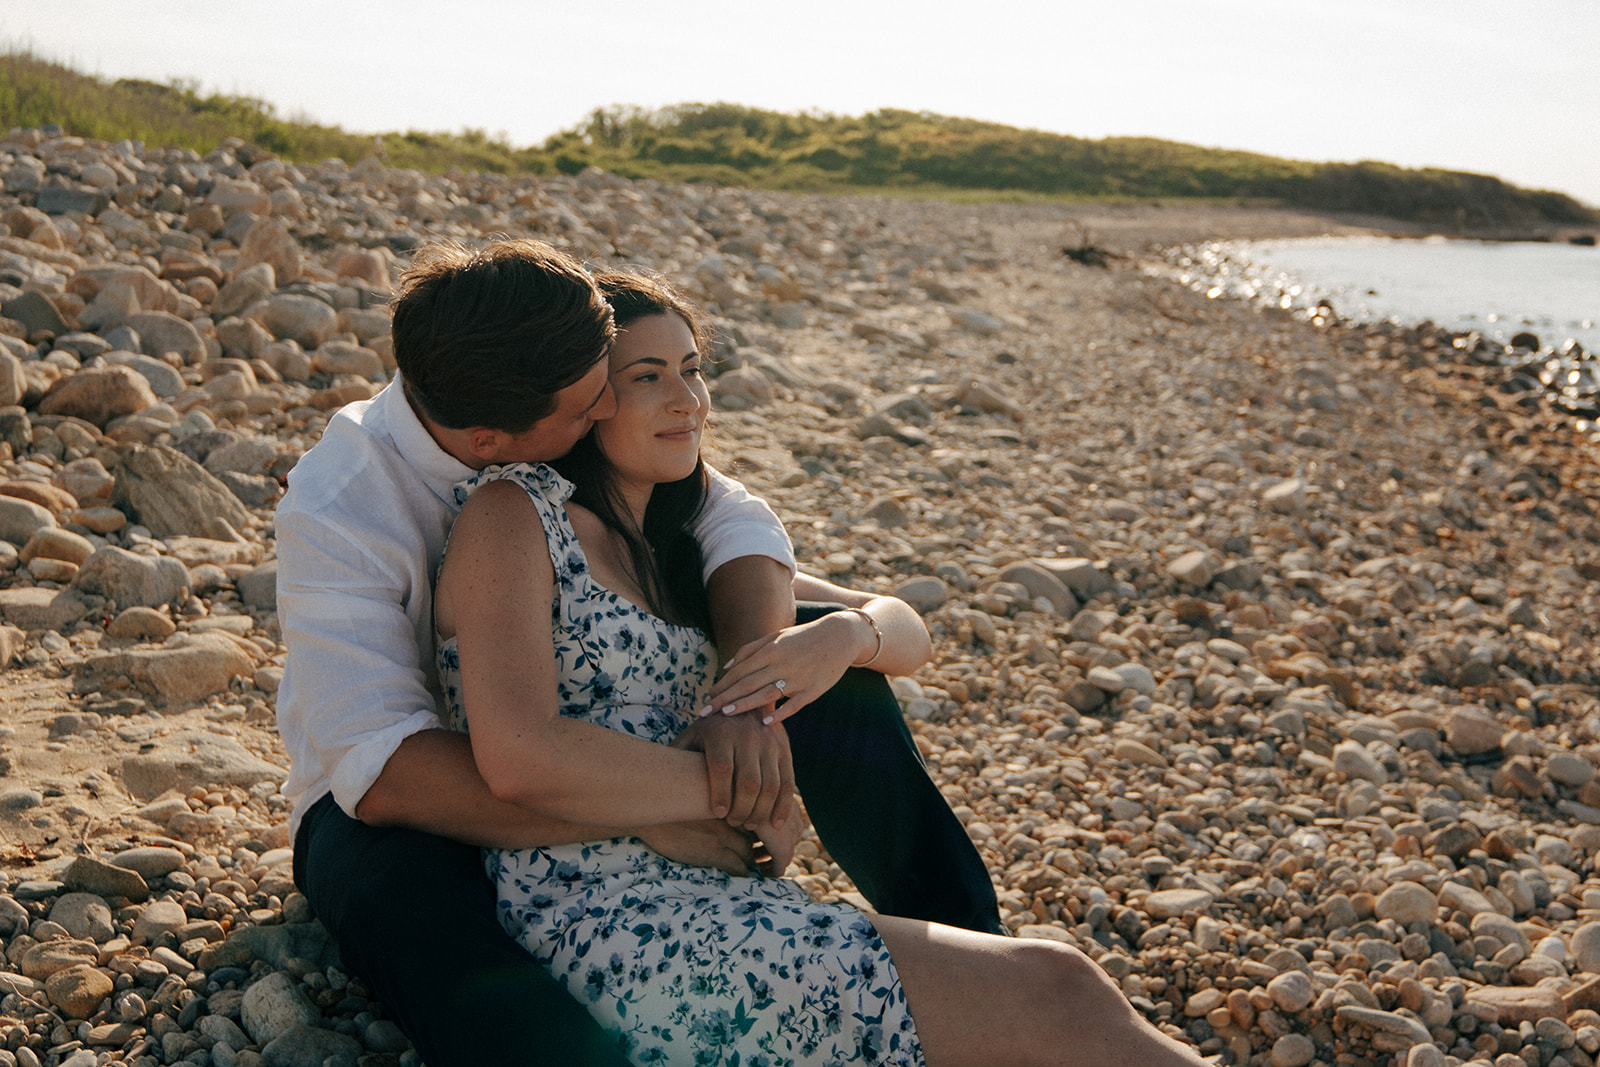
<point>684,965</point>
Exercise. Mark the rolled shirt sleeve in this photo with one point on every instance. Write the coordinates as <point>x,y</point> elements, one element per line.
<point>737,523</point>
<point>357,684</point>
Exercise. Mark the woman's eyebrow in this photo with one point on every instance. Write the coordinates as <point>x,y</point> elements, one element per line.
<point>658,361</point>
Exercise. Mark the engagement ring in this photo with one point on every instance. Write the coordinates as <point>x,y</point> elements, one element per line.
<point>780,685</point>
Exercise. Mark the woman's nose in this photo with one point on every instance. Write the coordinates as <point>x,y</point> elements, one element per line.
<point>684,398</point>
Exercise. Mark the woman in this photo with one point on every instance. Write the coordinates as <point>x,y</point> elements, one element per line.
<point>607,618</point>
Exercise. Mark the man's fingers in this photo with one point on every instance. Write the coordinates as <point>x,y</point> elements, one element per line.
<point>719,771</point>
<point>747,790</point>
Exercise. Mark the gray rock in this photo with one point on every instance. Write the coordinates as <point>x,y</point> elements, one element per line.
<point>157,918</point>
<point>1425,1056</point>
<point>161,332</point>
<point>1194,569</point>
<point>131,579</point>
<point>42,609</point>
<point>1585,947</point>
<point>275,1006</point>
<point>220,1028</point>
<point>258,587</point>
<point>1293,1050</point>
<point>1292,991</point>
<point>1459,897</point>
<point>35,312</point>
<point>150,861</point>
<point>85,916</point>
<point>164,380</point>
<point>245,289</point>
<point>308,1046</point>
<point>1039,582</point>
<point>90,875</point>
<point>1079,575</point>
<point>1407,903</point>
<point>169,493</point>
<point>21,519</point>
<point>925,593</point>
<point>297,317</point>
<point>1569,768</point>
<point>190,758</point>
<point>1389,1022</point>
<point>1173,903</point>
<point>1352,759</point>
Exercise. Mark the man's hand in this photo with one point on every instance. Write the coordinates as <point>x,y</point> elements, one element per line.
<point>704,843</point>
<point>777,841</point>
<point>750,771</point>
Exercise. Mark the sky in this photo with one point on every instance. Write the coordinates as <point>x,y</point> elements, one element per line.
<point>1510,89</point>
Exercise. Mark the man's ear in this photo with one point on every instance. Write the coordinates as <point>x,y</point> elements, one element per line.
<point>485,444</point>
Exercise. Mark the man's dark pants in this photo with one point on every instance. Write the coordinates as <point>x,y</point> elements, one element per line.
<point>414,915</point>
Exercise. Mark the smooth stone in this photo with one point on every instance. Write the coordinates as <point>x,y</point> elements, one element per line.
<point>274,1006</point>
<point>1407,903</point>
<point>310,1046</point>
<point>1173,903</point>
<point>149,861</point>
<point>1388,1022</point>
<point>1292,991</point>
<point>1293,1050</point>
<point>1585,947</point>
<point>85,916</point>
<point>1459,897</point>
<point>89,875</point>
<point>156,918</point>
<point>78,990</point>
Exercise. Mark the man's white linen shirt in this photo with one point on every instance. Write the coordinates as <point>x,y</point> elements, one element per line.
<point>360,535</point>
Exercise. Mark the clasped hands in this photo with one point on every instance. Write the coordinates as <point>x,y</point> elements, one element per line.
<point>748,763</point>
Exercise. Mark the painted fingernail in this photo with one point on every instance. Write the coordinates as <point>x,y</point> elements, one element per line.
<point>707,710</point>
<point>769,720</point>
<point>729,709</point>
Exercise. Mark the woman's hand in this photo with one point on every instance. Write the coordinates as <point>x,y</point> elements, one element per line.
<point>784,671</point>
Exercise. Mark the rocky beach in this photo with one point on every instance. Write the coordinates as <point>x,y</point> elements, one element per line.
<point>1265,646</point>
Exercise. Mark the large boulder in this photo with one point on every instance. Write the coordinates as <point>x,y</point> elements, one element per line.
<point>172,494</point>
<point>300,318</point>
<point>185,668</point>
<point>99,394</point>
<point>161,332</point>
<point>131,579</point>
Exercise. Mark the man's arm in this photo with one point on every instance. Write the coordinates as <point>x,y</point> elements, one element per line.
<point>432,783</point>
<point>355,711</point>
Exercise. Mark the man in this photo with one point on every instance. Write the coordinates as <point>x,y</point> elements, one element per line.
<point>502,359</point>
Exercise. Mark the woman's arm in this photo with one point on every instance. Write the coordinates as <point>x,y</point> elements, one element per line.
<point>494,595</point>
<point>883,633</point>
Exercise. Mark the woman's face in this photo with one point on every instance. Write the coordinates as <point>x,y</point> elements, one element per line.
<point>662,401</point>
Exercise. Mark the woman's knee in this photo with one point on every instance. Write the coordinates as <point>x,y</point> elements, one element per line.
<point>1066,979</point>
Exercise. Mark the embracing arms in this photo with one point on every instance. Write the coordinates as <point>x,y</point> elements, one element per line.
<point>880,632</point>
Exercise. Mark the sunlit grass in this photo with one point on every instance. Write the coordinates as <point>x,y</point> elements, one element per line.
<point>885,153</point>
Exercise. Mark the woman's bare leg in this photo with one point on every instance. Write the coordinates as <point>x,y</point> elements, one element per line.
<point>981,1000</point>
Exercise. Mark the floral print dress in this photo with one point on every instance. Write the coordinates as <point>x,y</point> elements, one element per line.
<point>684,965</point>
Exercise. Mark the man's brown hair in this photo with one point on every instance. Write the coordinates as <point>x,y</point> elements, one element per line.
<point>489,337</point>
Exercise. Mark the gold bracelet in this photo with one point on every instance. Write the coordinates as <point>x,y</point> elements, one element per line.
<point>870,660</point>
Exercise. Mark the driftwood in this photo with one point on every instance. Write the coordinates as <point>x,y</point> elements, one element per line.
<point>1085,251</point>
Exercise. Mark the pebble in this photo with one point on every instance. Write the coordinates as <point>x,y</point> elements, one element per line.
<point>1301,749</point>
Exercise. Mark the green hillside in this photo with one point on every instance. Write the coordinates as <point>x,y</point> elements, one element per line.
<point>914,153</point>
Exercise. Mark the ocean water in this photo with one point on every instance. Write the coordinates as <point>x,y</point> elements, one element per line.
<point>1497,288</point>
